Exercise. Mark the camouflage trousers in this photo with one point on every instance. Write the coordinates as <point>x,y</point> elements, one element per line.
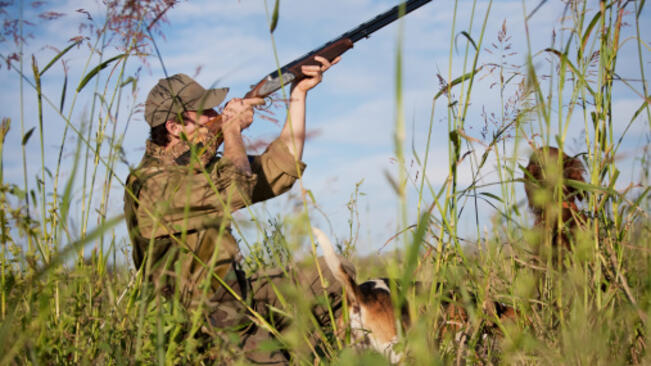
<point>311,300</point>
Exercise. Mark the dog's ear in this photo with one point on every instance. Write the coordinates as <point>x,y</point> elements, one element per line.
<point>573,169</point>
<point>533,180</point>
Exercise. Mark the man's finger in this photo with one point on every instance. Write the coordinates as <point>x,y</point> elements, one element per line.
<point>254,101</point>
<point>324,61</point>
<point>325,64</point>
<point>310,71</point>
<point>310,68</point>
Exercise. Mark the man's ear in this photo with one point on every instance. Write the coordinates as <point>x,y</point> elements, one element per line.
<point>173,128</point>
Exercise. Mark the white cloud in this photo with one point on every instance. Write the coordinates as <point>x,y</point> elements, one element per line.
<point>230,8</point>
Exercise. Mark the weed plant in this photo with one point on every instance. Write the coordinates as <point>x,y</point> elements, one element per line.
<point>66,298</point>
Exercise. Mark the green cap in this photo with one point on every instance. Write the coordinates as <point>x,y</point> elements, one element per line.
<point>177,94</point>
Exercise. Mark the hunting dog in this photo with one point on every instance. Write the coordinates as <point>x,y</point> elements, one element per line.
<point>541,176</point>
<point>371,312</point>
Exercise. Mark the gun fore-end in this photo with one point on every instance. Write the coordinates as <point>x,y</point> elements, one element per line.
<point>214,125</point>
<point>291,72</point>
<point>329,52</point>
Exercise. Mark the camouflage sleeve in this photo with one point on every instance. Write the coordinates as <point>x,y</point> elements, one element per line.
<point>177,200</point>
<point>277,170</point>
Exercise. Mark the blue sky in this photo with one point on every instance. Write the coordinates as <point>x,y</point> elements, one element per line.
<point>353,110</point>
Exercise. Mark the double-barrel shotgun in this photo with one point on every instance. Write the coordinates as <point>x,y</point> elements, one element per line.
<point>291,72</point>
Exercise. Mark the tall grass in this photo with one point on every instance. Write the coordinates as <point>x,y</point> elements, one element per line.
<point>61,303</point>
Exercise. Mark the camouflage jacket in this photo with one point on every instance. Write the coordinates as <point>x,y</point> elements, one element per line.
<point>178,216</point>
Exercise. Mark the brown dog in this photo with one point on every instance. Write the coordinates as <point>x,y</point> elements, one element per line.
<point>541,176</point>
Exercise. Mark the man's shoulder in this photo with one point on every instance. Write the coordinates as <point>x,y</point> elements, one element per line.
<point>149,168</point>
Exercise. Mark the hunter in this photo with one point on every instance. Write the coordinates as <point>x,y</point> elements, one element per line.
<point>180,199</point>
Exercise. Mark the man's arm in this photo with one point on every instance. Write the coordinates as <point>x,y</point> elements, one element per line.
<point>234,149</point>
<point>237,115</point>
<point>293,132</point>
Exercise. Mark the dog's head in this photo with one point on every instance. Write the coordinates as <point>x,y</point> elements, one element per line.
<point>547,168</point>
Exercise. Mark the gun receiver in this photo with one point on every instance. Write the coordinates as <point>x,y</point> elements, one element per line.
<point>291,72</point>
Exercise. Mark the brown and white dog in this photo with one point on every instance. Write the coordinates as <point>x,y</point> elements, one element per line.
<point>373,322</point>
<point>372,318</point>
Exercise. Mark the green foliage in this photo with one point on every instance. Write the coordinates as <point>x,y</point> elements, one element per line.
<point>589,305</point>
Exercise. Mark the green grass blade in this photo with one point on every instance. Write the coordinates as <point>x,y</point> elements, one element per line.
<point>274,17</point>
<point>588,31</point>
<point>446,89</point>
<point>639,10</point>
<point>413,251</point>
<point>576,72</point>
<point>63,93</point>
<point>97,69</point>
<point>67,193</point>
<point>27,136</point>
<point>469,38</point>
<point>57,57</point>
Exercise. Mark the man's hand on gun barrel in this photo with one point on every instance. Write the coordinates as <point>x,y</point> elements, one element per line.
<point>313,73</point>
<point>238,112</point>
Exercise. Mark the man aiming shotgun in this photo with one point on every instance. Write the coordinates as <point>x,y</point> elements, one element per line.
<point>180,199</point>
